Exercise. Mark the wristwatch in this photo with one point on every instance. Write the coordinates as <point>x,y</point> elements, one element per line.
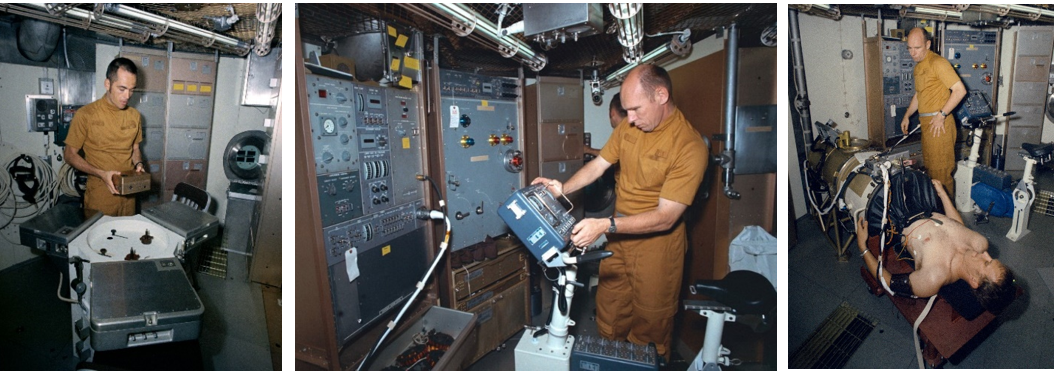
<point>944,114</point>
<point>612,225</point>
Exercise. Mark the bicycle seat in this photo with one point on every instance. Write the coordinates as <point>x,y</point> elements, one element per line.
<point>746,292</point>
<point>1041,151</point>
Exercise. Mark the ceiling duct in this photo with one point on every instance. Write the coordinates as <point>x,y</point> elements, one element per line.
<point>267,17</point>
<point>467,23</point>
<point>37,39</point>
<point>629,26</point>
<point>128,23</point>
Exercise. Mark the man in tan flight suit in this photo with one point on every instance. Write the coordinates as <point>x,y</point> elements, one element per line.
<point>939,90</point>
<point>109,132</point>
<point>662,161</point>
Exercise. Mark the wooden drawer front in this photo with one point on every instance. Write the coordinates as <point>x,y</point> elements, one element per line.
<point>502,311</point>
<point>476,276</point>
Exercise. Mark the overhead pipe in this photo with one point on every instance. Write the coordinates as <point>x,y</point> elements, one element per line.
<point>1012,10</point>
<point>822,10</point>
<point>680,45</point>
<point>133,13</point>
<point>85,15</point>
<point>125,28</point>
<point>931,13</point>
<point>468,23</point>
<point>731,115</point>
<point>799,74</point>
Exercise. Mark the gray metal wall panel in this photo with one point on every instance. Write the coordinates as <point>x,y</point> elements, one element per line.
<point>476,177</point>
<point>405,143</point>
<point>1034,41</point>
<point>190,111</point>
<point>192,172</point>
<point>1028,115</point>
<point>756,140</point>
<point>153,144</point>
<point>1025,92</point>
<point>560,142</point>
<point>560,100</point>
<point>187,144</point>
<point>151,107</point>
<point>1032,68</point>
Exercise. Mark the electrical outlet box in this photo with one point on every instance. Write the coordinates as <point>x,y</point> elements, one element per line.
<point>47,86</point>
<point>42,113</point>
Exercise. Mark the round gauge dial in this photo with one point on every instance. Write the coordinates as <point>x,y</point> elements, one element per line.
<point>329,126</point>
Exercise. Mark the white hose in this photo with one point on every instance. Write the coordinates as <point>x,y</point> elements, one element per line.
<point>45,197</point>
<point>68,180</point>
<point>58,292</point>
<point>916,336</point>
<point>883,225</point>
<point>832,201</point>
<point>420,285</point>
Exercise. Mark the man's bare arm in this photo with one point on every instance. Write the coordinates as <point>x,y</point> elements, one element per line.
<point>137,159</point>
<point>957,92</point>
<point>909,112</point>
<point>870,260</point>
<point>947,205</point>
<point>73,157</point>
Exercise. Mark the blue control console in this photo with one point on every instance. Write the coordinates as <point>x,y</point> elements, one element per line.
<point>539,220</point>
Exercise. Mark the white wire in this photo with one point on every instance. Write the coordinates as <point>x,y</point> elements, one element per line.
<point>68,180</point>
<point>410,300</point>
<point>916,336</point>
<point>45,197</point>
<point>58,292</point>
<point>810,194</point>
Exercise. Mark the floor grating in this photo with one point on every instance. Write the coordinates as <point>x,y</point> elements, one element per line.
<point>834,341</point>
<point>213,261</point>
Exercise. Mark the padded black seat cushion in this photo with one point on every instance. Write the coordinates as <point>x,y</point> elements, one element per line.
<point>746,292</point>
<point>1041,151</point>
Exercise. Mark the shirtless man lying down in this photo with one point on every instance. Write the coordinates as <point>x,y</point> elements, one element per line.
<point>944,251</point>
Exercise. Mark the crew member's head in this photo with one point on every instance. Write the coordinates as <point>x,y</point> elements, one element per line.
<point>616,111</point>
<point>993,284</point>
<point>120,81</point>
<point>918,42</point>
<point>646,95</point>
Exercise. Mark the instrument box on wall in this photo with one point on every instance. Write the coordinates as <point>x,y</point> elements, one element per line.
<point>130,182</point>
<point>144,302</point>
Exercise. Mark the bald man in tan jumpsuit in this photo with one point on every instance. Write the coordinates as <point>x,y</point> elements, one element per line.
<point>662,161</point>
